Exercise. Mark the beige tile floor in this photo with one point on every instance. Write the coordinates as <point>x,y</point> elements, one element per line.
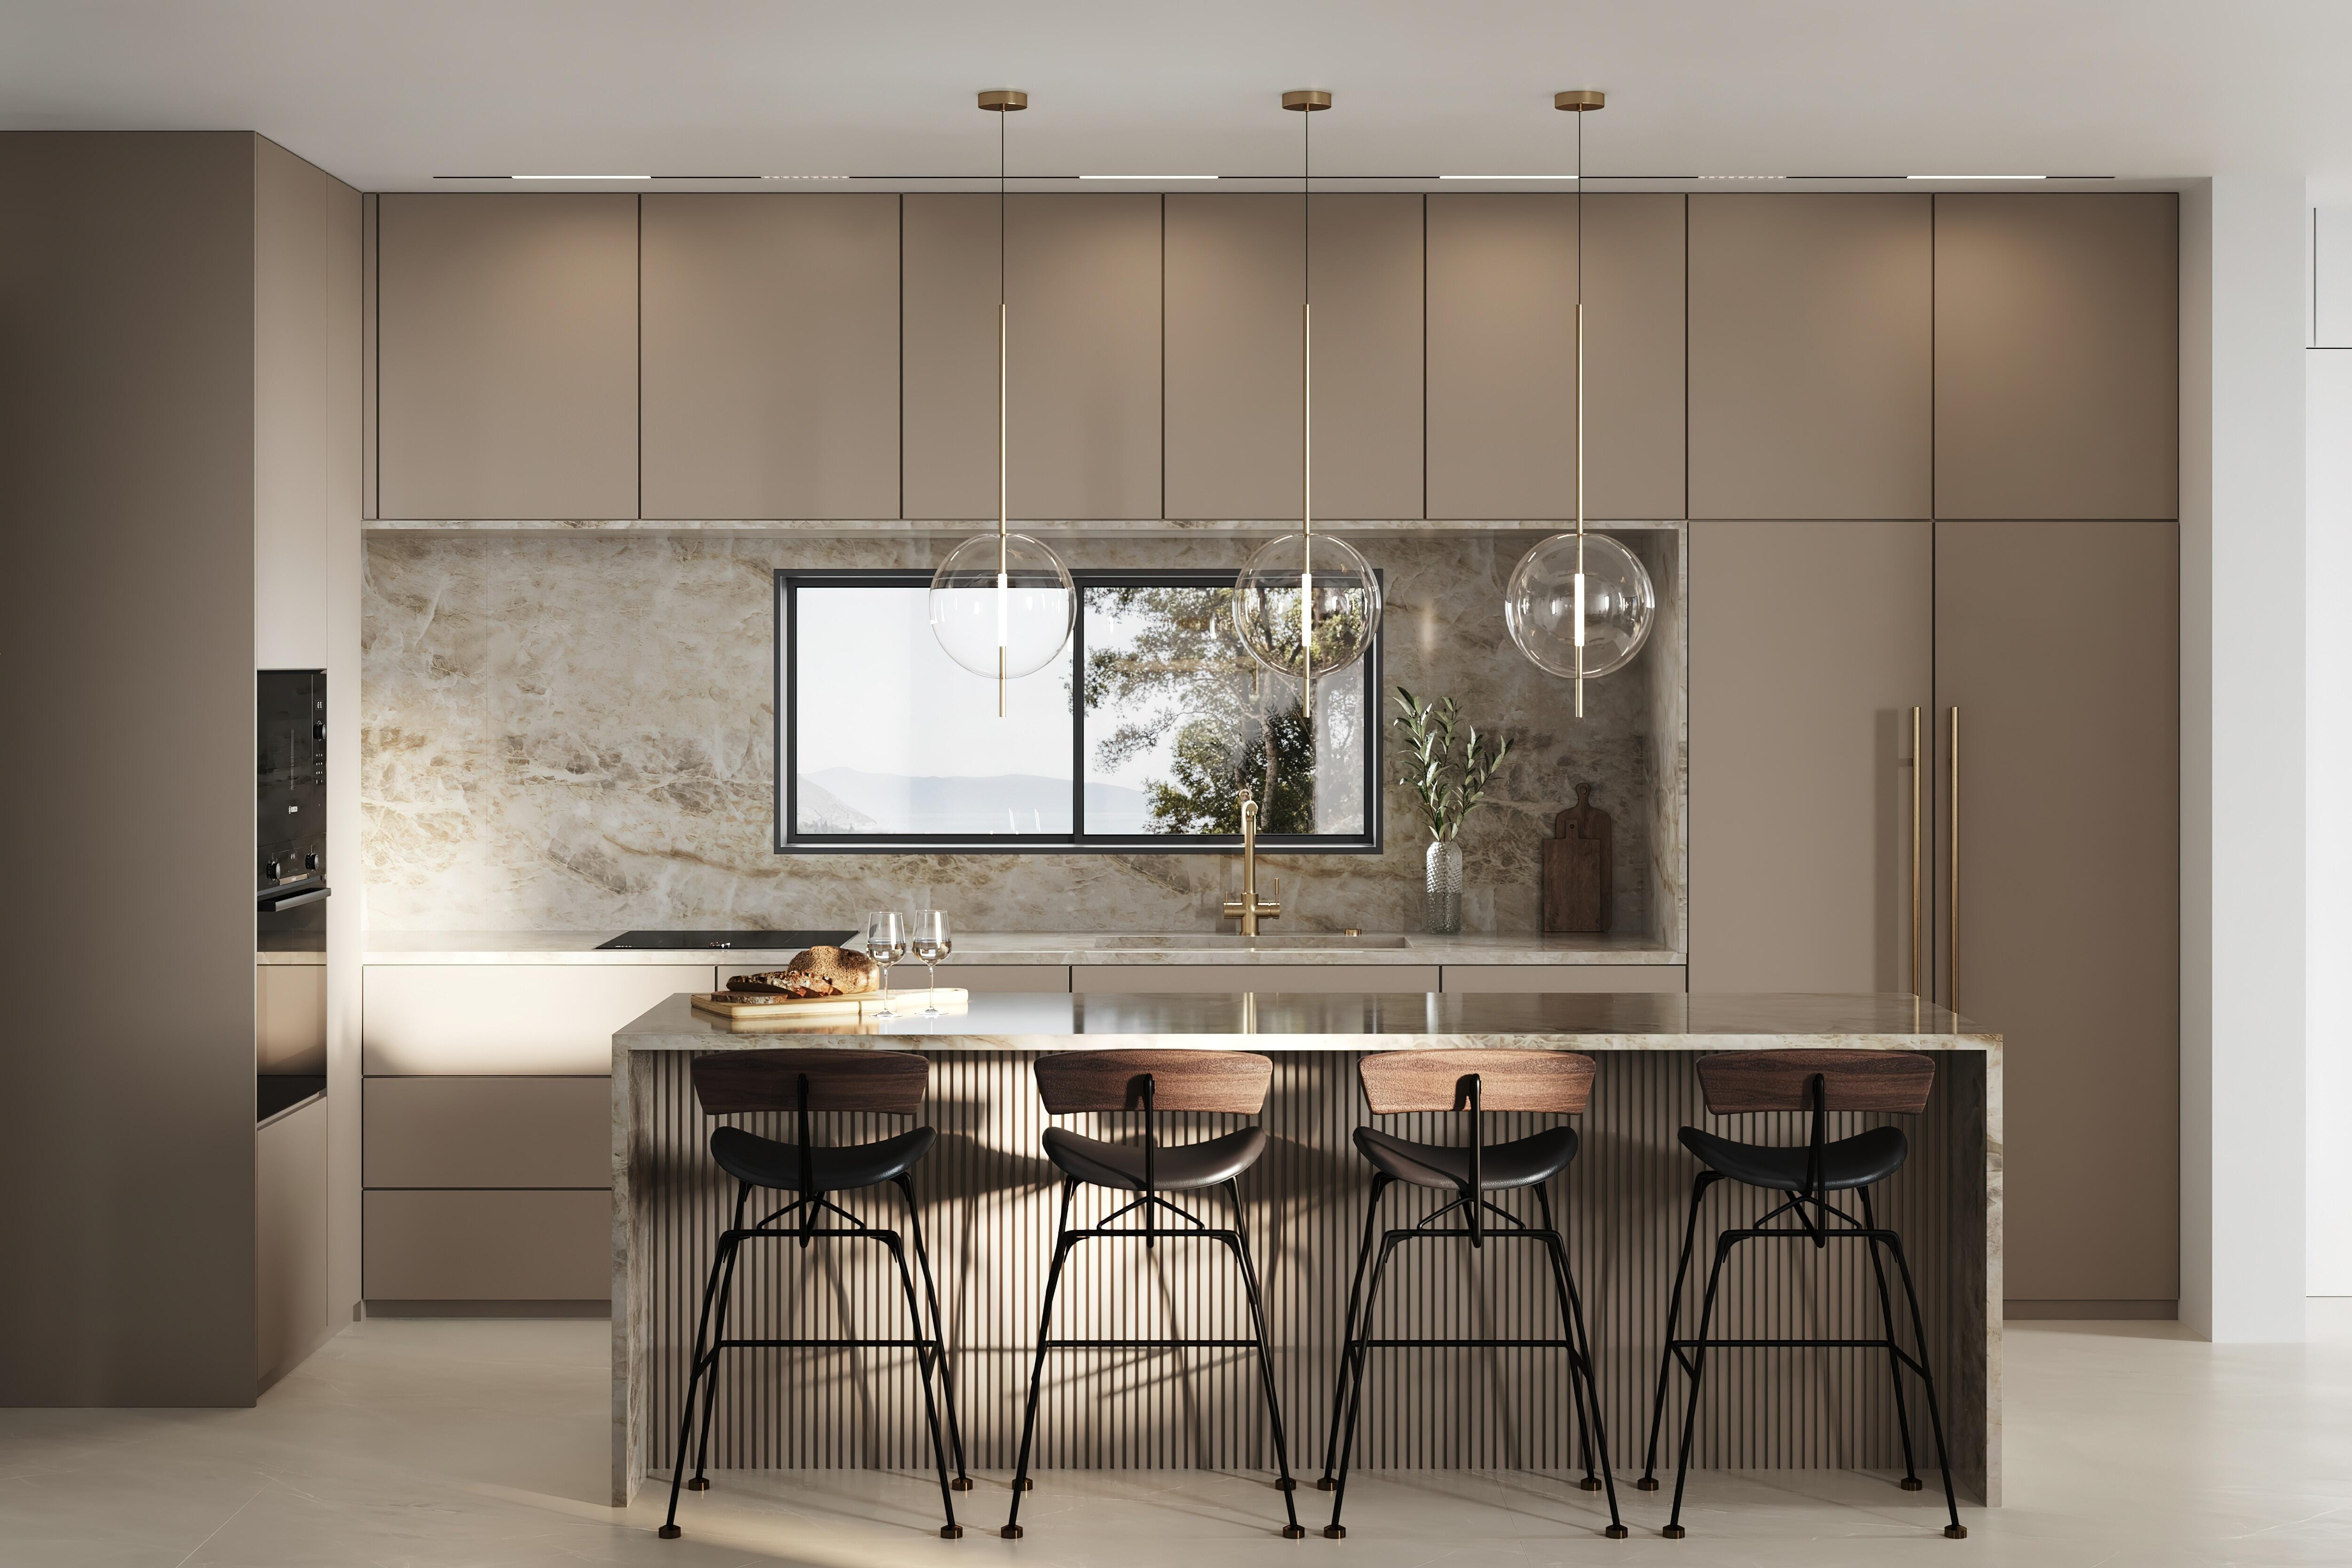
<point>483,1443</point>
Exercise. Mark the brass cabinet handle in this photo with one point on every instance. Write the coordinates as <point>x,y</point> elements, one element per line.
<point>1953,876</point>
<point>1917,768</point>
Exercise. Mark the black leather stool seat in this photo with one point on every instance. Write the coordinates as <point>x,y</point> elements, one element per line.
<point>1178,1168</point>
<point>763,1162</point>
<point>1524,1162</point>
<point>1863,1160</point>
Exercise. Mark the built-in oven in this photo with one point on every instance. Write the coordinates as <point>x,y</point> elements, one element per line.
<point>289,834</point>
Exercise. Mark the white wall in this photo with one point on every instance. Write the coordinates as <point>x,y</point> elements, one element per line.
<point>2243,312</point>
<point>2327,589</point>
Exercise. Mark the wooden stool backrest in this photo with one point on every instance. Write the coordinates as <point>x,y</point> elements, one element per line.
<point>1895,1081</point>
<point>890,1081</point>
<point>1398,1082</point>
<point>1234,1081</point>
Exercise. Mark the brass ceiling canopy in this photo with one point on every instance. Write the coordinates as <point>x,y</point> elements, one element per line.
<point>1580,101</point>
<point>1004,99</point>
<point>1306,99</point>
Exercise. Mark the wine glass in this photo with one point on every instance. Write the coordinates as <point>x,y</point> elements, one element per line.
<point>885,944</point>
<point>932,943</point>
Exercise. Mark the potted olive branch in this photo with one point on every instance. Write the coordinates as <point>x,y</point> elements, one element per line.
<point>1449,782</point>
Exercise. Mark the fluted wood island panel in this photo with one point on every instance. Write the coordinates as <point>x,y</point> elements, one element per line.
<point>987,1215</point>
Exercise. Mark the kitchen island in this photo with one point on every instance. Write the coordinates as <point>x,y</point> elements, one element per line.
<point>987,1195</point>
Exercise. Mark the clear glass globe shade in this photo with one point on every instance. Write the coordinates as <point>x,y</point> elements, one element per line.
<point>1004,611</point>
<point>1619,602</point>
<point>1307,606</point>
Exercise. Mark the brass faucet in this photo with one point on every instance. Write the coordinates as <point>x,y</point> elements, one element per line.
<point>1249,909</point>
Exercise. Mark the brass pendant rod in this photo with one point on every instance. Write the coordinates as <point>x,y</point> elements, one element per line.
<point>1579,415</point>
<point>1307,417</point>
<point>1003,547</point>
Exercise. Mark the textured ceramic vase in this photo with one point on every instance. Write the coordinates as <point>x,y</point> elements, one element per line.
<point>1442,890</point>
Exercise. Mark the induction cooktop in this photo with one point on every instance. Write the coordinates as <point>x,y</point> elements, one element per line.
<point>764,941</point>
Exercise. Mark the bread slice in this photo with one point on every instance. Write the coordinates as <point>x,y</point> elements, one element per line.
<point>818,972</point>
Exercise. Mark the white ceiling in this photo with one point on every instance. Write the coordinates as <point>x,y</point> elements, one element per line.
<point>388,95</point>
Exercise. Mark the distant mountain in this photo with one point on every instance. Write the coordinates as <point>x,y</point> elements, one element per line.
<point>822,812</point>
<point>1000,803</point>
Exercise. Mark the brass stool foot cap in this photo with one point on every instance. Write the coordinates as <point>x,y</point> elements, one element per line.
<point>1647,1483</point>
<point>1022,1483</point>
<point>1671,1532</point>
<point>1590,1483</point>
<point>1616,1533</point>
<point>698,1483</point>
<point>1326,1484</point>
<point>1011,1533</point>
<point>1294,1532</point>
<point>951,1532</point>
<point>961,1483</point>
<point>1956,1532</point>
<point>1912,1483</point>
<point>1335,1532</point>
<point>669,1533</point>
<point>1286,1483</point>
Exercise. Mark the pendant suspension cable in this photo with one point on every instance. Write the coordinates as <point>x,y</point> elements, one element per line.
<point>1579,584</point>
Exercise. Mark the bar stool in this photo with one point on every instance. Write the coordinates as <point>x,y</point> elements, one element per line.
<point>1818,1081</point>
<point>805,1081</point>
<point>1399,1082</point>
<point>1229,1082</point>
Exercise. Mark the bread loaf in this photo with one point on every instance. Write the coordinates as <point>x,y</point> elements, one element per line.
<point>818,972</point>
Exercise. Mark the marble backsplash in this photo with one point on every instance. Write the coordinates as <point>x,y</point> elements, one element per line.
<point>574,731</point>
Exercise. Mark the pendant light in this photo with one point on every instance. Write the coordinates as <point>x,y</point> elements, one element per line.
<point>1580,605</point>
<point>1306,605</point>
<point>1002,604</point>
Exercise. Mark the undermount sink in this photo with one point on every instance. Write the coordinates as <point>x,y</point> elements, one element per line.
<point>1328,941</point>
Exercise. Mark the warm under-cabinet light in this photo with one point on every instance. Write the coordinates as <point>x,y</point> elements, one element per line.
<point>1976,177</point>
<point>1147,176</point>
<point>1506,176</point>
<point>579,176</point>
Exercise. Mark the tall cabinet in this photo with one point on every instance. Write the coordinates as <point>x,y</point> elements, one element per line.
<point>2027,584</point>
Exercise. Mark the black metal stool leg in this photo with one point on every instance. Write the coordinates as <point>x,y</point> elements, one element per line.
<point>1649,1481</point>
<point>669,1529</point>
<point>701,1482</point>
<point>1954,1530</point>
<point>1291,1529</point>
<point>1581,1379</point>
<point>1591,1482</point>
<point>950,1529</point>
<point>1674,1530</point>
<point>1348,1333</point>
<point>962,1481</point>
<point>1910,1481</point>
<point>1063,1242</point>
<point>1358,1355</point>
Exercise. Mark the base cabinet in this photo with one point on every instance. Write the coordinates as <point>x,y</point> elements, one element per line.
<point>290,1241</point>
<point>457,1247</point>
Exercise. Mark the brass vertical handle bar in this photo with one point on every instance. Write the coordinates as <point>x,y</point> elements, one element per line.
<point>1953,876</point>
<point>1919,767</point>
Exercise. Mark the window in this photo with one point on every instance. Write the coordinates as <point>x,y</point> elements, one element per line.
<point>1142,737</point>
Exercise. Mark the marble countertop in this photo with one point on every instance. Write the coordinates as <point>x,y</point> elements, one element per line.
<point>1352,1021</point>
<point>1321,948</point>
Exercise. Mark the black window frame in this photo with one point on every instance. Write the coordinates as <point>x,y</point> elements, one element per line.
<point>786,841</point>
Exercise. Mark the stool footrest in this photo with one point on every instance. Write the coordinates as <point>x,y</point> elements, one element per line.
<point>1467,1344</point>
<point>824,1344</point>
<point>1151,1344</point>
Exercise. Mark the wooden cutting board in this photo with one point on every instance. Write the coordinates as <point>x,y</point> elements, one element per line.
<point>719,1004</point>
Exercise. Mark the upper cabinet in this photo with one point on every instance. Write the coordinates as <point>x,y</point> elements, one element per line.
<point>1083,290</point>
<point>1501,376</point>
<point>1235,277</point>
<point>1812,370</point>
<point>771,375</point>
<point>507,356</point>
<point>2057,356</point>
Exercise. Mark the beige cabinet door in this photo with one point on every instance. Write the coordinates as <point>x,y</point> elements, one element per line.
<point>1501,378</point>
<point>1812,327</point>
<point>1233,328</point>
<point>1083,285</point>
<point>507,1019</point>
<point>770,356</point>
<point>2057,356</point>
<point>2058,642</point>
<point>1231,980</point>
<point>507,356</point>
<point>1810,645</point>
